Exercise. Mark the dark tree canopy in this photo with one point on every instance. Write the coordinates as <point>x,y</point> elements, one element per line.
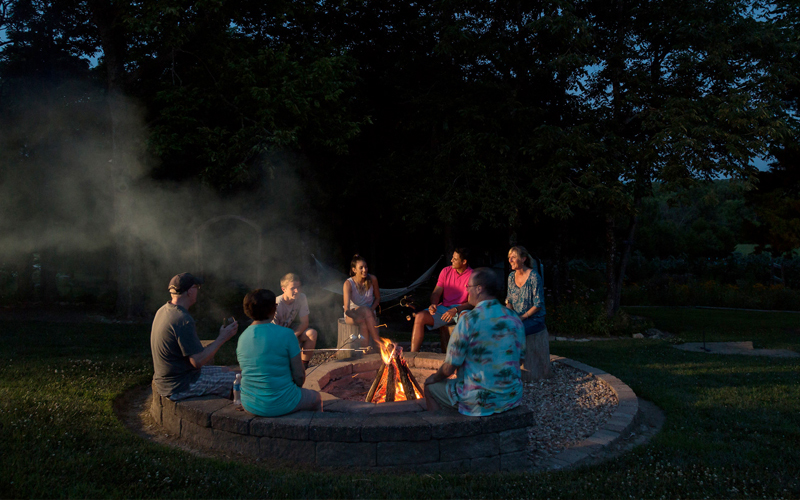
<point>450,121</point>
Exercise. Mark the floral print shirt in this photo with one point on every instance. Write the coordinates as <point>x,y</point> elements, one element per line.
<point>486,347</point>
<point>530,294</point>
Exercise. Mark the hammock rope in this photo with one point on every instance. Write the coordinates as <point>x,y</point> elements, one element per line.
<point>332,280</point>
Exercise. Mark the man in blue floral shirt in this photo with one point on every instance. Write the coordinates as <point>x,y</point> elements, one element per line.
<point>485,351</point>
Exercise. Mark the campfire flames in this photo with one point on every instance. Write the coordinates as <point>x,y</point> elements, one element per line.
<point>394,381</point>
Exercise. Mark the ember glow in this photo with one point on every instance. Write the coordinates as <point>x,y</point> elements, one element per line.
<point>394,381</point>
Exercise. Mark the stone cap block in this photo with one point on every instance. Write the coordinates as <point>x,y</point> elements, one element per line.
<point>411,406</point>
<point>482,445</point>
<point>603,437</point>
<point>368,363</point>
<point>405,453</point>
<point>511,419</point>
<point>232,418</point>
<point>429,360</point>
<point>515,461</point>
<point>332,427</point>
<point>317,380</point>
<point>345,406</point>
<point>346,454</point>
<point>199,410</point>
<point>450,423</point>
<point>571,456</point>
<point>154,392</point>
<point>327,398</point>
<point>397,427</point>
<point>291,426</point>
<point>484,465</point>
<point>410,358</point>
<point>582,367</point>
<point>339,369</point>
<point>514,440</point>
<point>168,405</point>
<point>289,450</point>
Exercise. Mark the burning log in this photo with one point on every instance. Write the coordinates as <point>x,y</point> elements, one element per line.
<point>375,383</point>
<point>393,381</point>
<point>405,379</point>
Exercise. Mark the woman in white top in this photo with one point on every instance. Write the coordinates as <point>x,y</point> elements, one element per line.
<point>361,298</point>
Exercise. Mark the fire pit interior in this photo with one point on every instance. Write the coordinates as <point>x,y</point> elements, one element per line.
<point>392,381</point>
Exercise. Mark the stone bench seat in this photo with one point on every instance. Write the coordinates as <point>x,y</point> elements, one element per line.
<point>387,436</point>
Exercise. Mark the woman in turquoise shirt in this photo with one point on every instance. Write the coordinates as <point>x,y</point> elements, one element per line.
<point>272,370</point>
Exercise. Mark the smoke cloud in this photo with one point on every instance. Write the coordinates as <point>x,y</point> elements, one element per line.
<point>64,193</point>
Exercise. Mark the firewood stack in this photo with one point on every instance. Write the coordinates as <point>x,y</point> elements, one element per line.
<point>394,381</point>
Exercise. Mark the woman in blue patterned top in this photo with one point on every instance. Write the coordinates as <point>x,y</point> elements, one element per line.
<point>525,291</point>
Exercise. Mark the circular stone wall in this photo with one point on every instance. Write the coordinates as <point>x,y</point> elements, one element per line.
<point>386,436</point>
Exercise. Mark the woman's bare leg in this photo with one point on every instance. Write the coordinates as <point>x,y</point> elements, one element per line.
<point>365,319</point>
<point>372,327</point>
<point>354,319</point>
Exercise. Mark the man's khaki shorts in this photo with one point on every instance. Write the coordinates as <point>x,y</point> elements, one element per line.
<point>438,392</point>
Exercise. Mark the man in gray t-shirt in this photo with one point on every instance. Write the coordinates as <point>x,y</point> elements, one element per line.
<point>179,358</point>
<point>292,312</point>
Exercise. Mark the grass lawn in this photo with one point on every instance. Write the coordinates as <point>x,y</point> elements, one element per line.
<point>768,330</point>
<point>732,423</point>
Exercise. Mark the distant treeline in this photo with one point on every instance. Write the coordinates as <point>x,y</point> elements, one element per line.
<point>395,129</point>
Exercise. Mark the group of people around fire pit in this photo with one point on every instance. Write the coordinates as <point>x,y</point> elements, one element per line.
<point>485,351</point>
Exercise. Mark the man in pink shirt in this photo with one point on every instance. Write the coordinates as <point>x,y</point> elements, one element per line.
<point>451,289</point>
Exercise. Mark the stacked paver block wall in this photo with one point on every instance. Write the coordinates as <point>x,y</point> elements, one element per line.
<point>388,436</point>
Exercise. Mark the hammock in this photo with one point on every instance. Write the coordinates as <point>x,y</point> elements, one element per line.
<point>332,280</point>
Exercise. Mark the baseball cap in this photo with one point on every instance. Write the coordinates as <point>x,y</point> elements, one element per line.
<point>182,282</point>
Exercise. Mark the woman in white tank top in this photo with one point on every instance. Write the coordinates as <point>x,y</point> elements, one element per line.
<point>361,298</point>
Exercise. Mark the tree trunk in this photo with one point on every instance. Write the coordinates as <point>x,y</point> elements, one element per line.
<point>611,254</point>
<point>615,271</point>
<point>627,247</point>
<point>537,357</point>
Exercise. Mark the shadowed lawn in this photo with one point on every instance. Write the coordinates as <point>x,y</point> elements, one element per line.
<point>732,426</point>
<point>768,330</point>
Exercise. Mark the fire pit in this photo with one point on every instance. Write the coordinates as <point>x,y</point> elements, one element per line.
<point>393,380</point>
<point>397,435</point>
<point>386,436</point>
